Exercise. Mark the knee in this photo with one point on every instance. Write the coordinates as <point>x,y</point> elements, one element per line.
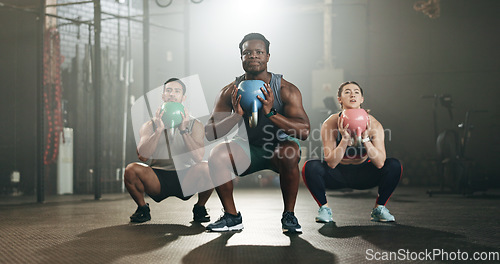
<point>131,172</point>
<point>288,154</point>
<point>217,156</point>
<point>312,169</point>
<point>393,165</point>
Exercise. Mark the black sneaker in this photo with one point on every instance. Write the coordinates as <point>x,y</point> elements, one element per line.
<point>289,223</point>
<point>141,215</point>
<point>200,214</point>
<point>227,222</point>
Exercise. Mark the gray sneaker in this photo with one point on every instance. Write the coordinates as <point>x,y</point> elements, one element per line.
<point>227,222</point>
<point>324,215</point>
<point>381,214</point>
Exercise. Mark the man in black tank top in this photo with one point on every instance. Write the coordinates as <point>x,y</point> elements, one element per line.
<point>271,145</point>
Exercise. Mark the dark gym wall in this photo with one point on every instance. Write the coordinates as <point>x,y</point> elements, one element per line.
<point>18,107</point>
<point>399,55</point>
<point>409,55</point>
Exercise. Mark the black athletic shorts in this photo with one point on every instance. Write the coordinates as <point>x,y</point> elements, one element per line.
<point>170,185</point>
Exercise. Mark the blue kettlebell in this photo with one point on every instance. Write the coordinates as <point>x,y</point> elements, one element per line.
<point>249,89</point>
<point>172,114</point>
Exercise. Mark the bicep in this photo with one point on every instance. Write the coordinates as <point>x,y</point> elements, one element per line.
<point>198,132</point>
<point>292,99</point>
<point>145,131</point>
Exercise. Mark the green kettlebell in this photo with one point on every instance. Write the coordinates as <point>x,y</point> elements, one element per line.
<point>172,114</point>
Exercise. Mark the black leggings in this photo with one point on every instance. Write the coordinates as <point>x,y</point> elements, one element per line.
<point>318,176</point>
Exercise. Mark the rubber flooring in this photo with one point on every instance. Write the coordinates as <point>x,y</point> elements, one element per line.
<point>78,229</point>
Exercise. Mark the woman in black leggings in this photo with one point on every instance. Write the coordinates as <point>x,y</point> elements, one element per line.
<point>350,164</point>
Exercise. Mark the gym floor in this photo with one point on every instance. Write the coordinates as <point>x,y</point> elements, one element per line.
<point>78,229</point>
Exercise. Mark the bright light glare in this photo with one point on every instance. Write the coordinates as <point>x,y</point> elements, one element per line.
<point>248,15</point>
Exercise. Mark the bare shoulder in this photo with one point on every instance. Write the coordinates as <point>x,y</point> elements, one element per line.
<point>289,91</point>
<point>197,122</point>
<point>226,91</point>
<point>223,101</point>
<point>198,127</point>
<point>374,123</point>
<point>332,121</point>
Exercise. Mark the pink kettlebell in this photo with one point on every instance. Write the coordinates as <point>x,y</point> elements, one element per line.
<point>357,120</point>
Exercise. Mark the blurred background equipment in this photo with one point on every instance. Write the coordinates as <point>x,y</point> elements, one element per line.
<point>429,8</point>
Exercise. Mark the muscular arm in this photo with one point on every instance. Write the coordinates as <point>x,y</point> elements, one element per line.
<point>376,147</point>
<point>223,118</point>
<point>333,153</point>
<point>294,120</point>
<point>148,140</point>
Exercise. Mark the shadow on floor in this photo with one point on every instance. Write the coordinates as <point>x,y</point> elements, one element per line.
<point>393,237</point>
<point>105,245</point>
<point>366,194</point>
<point>299,251</point>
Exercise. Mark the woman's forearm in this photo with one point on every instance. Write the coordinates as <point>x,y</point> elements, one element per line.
<point>333,157</point>
<point>375,155</point>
